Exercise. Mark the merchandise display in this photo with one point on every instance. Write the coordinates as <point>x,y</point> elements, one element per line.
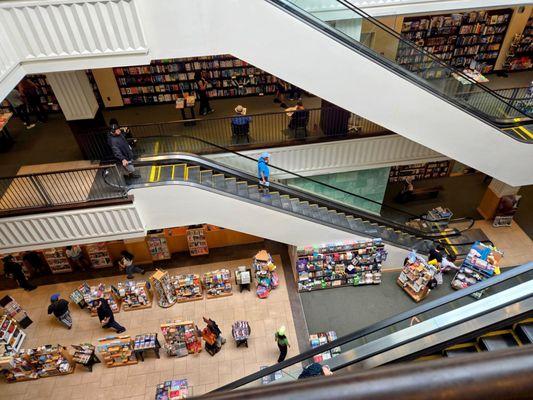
<point>319,339</point>
<point>99,255</point>
<point>173,390</point>
<point>240,330</point>
<point>57,260</point>
<point>84,354</point>
<point>243,278</point>
<point>11,333</point>
<point>134,295</point>
<point>272,377</point>
<point>417,276</point>
<point>480,263</point>
<point>188,287</point>
<point>182,338</point>
<point>197,242</point>
<point>166,294</point>
<point>110,293</point>
<point>266,276</point>
<point>437,169</point>
<point>40,362</point>
<point>11,308</point>
<point>78,296</point>
<point>217,283</point>
<point>164,81</point>
<point>436,220</point>
<point>158,246</point>
<point>117,351</point>
<point>338,265</point>
<point>520,55</point>
<point>461,39</point>
<point>146,342</point>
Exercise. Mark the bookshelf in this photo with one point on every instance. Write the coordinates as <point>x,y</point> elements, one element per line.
<point>459,39</point>
<point>418,172</point>
<point>99,255</point>
<point>163,287</point>
<point>520,56</point>
<point>158,246</point>
<point>163,81</point>
<point>57,260</point>
<point>197,242</point>
<point>48,99</point>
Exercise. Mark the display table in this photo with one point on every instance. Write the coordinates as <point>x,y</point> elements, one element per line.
<point>188,287</point>
<point>117,351</point>
<point>84,354</point>
<point>241,331</point>
<point>14,310</point>
<point>217,283</point>
<point>319,339</point>
<point>416,277</point>
<point>243,278</point>
<point>134,295</point>
<point>101,291</point>
<point>166,294</point>
<point>146,342</point>
<point>181,338</point>
<point>265,276</point>
<point>173,390</point>
<point>11,333</point>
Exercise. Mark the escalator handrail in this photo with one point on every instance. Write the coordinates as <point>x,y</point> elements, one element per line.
<point>407,315</point>
<point>355,45</point>
<point>226,150</point>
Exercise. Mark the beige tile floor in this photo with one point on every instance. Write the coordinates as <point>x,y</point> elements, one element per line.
<point>138,382</point>
<point>516,245</point>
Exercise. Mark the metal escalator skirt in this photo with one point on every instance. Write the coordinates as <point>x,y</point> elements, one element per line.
<point>514,301</point>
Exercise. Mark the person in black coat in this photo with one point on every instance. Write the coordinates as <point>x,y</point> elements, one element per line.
<point>59,307</point>
<point>122,150</point>
<point>105,315</point>
<point>14,270</point>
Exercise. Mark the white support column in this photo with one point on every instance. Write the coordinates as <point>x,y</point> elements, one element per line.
<point>501,189</point>
<point>74,94</point>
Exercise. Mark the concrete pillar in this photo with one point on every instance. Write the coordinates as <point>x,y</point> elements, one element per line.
<point>496,190</point>
<point>76,98</point>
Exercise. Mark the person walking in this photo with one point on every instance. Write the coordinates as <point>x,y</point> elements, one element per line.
<point>283,343</point>
<point>263,172</point>
<point>14,270</point>
<point>122,150</point>
<point>19,108</point>
<point>59,307</point>
<point>32,99</point>
<point>201,82</point>
<point>216,330</point>
<point>126,263</point>
<point>106,316</point>
<point>77,258</point>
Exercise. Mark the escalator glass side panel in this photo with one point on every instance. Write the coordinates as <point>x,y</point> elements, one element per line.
<point>394,51</point>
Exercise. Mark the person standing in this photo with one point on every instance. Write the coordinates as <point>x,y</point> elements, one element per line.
<point>263,172</point>
<point>283,343</point>
<point>122,150</point>
<point>201,82</point>
<point>59,307</point>
<point>14,270</point>
<point>36,263</point>
<point>106,317</point>
<point>77,258</point>
<point>19,108</point>
<point>126,263</point>
<point>213,327</point>
<point>31,97</point>
<point>436,253</point>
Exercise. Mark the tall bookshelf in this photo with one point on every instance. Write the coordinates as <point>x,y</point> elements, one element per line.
<point>437,169</point>
<point>459,39</point>
<point>48,99</point>
<point>520,57</point>
<point>165,80</point>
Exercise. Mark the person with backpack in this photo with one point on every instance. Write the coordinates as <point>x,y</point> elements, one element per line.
<point>59,307</point>
<point>126,263</point>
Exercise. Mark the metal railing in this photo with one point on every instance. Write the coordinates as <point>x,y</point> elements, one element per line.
<point>265,130</point>
<point>51,189</point>
<point>515,98</point>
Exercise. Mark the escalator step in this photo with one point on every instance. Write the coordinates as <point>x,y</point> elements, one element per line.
<point>193,173</point>
<point>295,206</point>
<point>206,177</point>
<point>165,173</point>
<point>231,185</point>
<point>265,198</point>
<point>242,189</point>
<point>524,330</point>
<point>314,211</point>
<point>498,340</point>
<point>276,199</point>
<point>285,202</point>
<point>179,172</point>
<point>305,208</point>
<point>462,349</point>
<point>219,181</point>
<point>323,214</point>
<point>343,221</point>
<point>334,217</point>
<point>253,192</point>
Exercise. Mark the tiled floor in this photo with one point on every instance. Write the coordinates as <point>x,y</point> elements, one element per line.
<point>138,382</point>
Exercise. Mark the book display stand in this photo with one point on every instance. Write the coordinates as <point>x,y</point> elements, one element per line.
<point>57,260</point>
<point>84,354</point>
<point>11,334</point>
<point>146,342</point>
<point>117,351</point>
<point>166,294</point>
<point>134,295</point>
<point>416,276</point>
<point>13,309</point>
<point>99,255</point>
<point>266,276</point>
<point>319,339</point>
<point>217,283</point>
<point>182,338</point>
<point>173,390</point>
<point>188,287</point>
<point>197,242</point>
<point>158,246</point>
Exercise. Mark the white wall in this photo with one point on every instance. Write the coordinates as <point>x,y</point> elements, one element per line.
<point>180,205</point>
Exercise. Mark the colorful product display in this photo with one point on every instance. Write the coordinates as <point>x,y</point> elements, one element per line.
<point>145,341</point>
<point>481,263</point>
<point>197,242</point>
<point>99,255</point>
<point>163,287</point>
<point>241,331</point>
<point>11,333</point>
<point>182,338</point>
<point>172,390</point>
<point>338,265</point>
<point>134,295</point>
<point>84,354</point>
<point>217,283</point>
<point>266,276</point>
<point>117,351</point>
<point>158,246</point>
<point>417,277</point>
<point>13,309</point>
<point>100,291</point>
<point>57,260</point>
<point>520,55</point>
<point>319,339</point>
<point>188,287</point>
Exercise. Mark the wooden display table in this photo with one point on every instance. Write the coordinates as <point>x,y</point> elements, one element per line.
<point>117,351</point>
<point>146,342</point>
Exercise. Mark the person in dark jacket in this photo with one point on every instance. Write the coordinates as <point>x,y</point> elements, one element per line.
<point>122,150</point>
<point>14,269</point>
<point>59,307</point>
<point>436,253</point>
<point>315,369</point>
<point>106,317</point>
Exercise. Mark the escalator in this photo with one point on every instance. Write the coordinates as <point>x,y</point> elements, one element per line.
<point>451,326</point>
<point>337,208</point>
